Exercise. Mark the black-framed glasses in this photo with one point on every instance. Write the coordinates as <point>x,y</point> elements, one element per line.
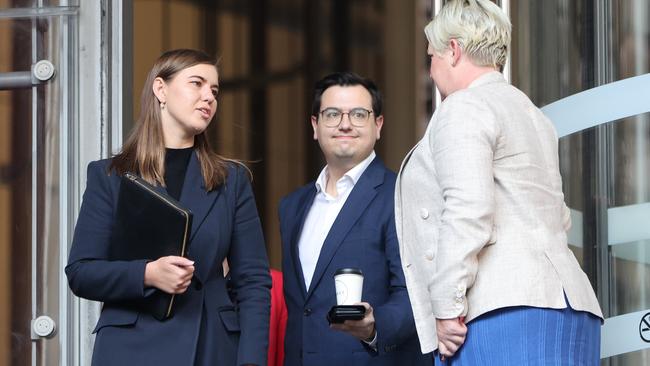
<point>332,117</point>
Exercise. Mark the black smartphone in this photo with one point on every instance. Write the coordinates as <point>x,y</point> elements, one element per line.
<point>341,313</point>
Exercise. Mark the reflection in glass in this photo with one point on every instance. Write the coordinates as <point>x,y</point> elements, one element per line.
<point>552,48</point>
<point>16,205</point>
<point>629,166</point>
<point>30,191</point>
<point>629,184</point>
<point>631,37</point>
<point>564,47</point>
<point>15,242</point>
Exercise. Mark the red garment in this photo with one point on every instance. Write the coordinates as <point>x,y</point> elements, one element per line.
<point>278,322</point>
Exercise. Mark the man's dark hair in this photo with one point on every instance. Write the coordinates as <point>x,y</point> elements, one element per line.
<point>346,79</point>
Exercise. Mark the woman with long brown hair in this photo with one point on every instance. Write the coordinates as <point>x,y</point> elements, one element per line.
<point>169,149</point>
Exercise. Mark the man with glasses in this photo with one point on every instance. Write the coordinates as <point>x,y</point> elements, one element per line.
<point>345,219</point>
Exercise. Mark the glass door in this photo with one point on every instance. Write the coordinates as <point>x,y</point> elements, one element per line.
<point>37,104</point>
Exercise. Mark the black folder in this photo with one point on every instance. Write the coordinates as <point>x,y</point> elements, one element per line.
<point>148,225</point>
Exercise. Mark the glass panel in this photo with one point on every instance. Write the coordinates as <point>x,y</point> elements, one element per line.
<point>6,4</point>
<point>630,171</point>
<point>631,28</point>
<point>49,223</point>
<point>629,186</point>
<point>631,271</point>
<point>16,199</point>
<point>629,359</point>
<point>552,48</point>
<point>576,153</point>
<point>31,191</point>
<point>14,241</point>
<point>629,177</point>
<point>627,205</point>
<point>564,47</point>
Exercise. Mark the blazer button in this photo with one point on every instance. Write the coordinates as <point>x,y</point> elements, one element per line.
<point>424,213</point>
<point>307,312</point>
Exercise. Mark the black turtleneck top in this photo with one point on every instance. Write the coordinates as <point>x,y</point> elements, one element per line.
<point>176,161</point>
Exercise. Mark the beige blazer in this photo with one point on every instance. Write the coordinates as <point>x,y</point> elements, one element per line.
<point>480,213</point>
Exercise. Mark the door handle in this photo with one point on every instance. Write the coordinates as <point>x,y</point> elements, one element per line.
<point>41,72</point>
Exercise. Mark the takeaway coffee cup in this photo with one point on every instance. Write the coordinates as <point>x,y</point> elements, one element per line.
<point>349,284</point>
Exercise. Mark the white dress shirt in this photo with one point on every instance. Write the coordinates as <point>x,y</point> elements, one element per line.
<point>322,214</point>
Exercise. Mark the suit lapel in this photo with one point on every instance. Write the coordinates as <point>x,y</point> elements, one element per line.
<point>303,206</point>
<point>362,194</point>
<point>200,202</point>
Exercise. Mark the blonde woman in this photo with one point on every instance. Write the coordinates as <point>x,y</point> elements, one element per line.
<point>480,213</point>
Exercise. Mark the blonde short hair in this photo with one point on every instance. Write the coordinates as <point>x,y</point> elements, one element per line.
<point>479,26</point>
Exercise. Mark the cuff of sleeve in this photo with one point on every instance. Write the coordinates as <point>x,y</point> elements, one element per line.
<point>454,305</point>
<point>138,270</point>
<point>373,343</point>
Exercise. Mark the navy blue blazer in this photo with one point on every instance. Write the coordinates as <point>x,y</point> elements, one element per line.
<point>362,236</point>
<point>206,329</point>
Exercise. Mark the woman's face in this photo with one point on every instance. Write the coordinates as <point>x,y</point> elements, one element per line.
<point>190,102</point>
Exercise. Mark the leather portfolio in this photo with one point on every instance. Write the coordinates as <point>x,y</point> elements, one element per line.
<point>149,224</point>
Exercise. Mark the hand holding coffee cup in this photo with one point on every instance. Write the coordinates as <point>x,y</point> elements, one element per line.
<point>349,286</point>
<point>350,315</point>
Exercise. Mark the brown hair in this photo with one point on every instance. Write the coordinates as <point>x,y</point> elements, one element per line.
<point>144,150</point>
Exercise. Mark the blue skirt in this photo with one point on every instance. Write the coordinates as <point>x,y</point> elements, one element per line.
<point>520,336</point>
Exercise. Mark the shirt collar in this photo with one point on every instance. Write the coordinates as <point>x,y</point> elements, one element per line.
<point>353,174</point>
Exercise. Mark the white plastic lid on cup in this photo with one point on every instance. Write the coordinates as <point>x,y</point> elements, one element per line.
<point>349,286</point>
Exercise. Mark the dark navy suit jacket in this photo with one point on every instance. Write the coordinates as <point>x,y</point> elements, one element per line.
<point>206,329</point>
<point>362,236</point>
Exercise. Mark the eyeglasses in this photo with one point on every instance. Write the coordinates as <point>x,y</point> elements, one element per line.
<point>332,117</point>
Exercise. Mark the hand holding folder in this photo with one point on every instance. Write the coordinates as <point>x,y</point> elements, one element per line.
<point>170,274</point>
<point>149,225</point>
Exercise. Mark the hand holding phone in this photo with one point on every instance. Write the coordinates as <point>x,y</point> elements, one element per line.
<point>340,313</point>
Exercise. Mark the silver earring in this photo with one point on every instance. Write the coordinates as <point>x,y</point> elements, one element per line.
<point>162,105</point>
